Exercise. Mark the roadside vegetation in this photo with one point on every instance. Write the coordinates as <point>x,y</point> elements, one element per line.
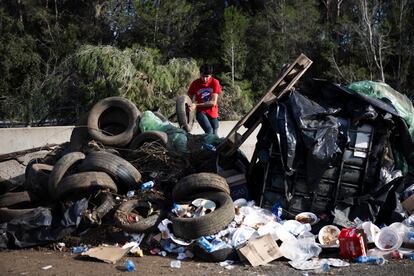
<point>59,57</point>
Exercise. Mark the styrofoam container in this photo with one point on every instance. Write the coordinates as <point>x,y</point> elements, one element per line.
<point>328,235</point>
<point>388,239</point>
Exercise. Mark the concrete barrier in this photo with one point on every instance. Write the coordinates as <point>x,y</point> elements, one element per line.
<point>16,139</point>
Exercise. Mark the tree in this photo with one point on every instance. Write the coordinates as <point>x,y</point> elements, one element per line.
<point>233,37</point>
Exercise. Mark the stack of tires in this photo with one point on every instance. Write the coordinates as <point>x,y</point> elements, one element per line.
<point>79,170</point>
<point>208,186</point>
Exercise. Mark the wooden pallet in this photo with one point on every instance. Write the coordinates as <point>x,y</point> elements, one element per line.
<point>287,79</point>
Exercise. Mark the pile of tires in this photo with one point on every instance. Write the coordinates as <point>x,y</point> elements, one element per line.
<point>97,164</point>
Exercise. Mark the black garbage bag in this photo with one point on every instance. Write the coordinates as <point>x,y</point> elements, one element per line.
<point>319,131</point>
<point>284,126</point>
<point>41,226</point>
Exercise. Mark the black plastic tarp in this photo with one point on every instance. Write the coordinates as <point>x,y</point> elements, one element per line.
<point>41,226</point>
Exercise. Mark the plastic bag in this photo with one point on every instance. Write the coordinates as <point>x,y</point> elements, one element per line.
<point>300,250</point>
<point>381,90</point>
<point>177,137</point>
<point>150,122</point>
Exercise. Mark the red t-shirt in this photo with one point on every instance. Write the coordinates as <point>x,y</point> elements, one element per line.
<point>203,92</point>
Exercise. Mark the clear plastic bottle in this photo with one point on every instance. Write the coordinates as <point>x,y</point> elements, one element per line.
<point>129,265</point>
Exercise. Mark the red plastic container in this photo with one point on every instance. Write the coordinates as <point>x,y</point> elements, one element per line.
<point>352,243</point>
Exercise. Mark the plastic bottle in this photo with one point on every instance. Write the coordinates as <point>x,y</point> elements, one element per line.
<point>209,147</point>
<point>370,259</point>
<point>79,249</point>
<point>130,193</point>
<point>175,264</point>
<point>147,185</point>
<point>129,265</point>
<point>204,243</point>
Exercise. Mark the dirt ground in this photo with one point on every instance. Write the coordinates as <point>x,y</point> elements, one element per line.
<point>31,261</point>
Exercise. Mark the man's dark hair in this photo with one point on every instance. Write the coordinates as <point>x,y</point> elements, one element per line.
<point>206,69</point>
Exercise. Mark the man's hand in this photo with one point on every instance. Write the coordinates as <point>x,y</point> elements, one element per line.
<point>192,107</point>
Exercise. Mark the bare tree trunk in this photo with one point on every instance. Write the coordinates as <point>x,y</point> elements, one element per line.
<point>56,12</point>
<point>374,39</point>
<point>19,2</point>
<point>232,63</point>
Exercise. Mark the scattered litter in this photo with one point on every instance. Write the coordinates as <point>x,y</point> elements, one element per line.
<point>318,263</point>
<point>47,267</point>
<point>147,185</point>
<point>307,217</point>
<point>388,239</point>
<point>352,243</point>
<point>300,250</point>
<point>261,250</point>
<point>130,194</point>
<point>175,264</point>
<point>109,254</point>
<point>328,235</point>
<point>370,259</point>
<point>129,265</point>
<point>227,264</point>
<point>79,249</point>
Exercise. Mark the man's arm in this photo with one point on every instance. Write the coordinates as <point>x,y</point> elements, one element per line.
<point>211,103</point>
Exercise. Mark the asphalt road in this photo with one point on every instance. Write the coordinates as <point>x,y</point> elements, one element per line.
<point>31,261</point>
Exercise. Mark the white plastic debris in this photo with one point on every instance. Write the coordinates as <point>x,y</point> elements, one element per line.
<point>175,264</point>
<point>227,264</point>
<point>47,267</point>
<point>317,263</point>
<point>241,235</point>
<point>300,250</point>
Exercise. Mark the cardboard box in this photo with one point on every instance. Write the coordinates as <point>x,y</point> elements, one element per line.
<point>260,251</point>
<point>352,243</point>
<point>408,204</point>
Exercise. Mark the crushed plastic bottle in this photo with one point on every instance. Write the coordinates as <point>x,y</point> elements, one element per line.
<point>147,185</point>
<point>204,243</point>
<point>130,194</point>
<point>175,264</point>
<point>370,259</point>
<point>79,249</point>
<point>129,265</point>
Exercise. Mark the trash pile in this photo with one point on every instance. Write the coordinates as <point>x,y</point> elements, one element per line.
<point>332,175</point>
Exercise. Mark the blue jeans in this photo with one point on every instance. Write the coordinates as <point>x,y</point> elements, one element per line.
<point>208,124</point>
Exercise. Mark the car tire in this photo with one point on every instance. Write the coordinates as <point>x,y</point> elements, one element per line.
<point>76,184</point>
<point>147,224</point>
<point>185,117</point>
<point>37,180</point>
<point>209,224</point>
<point>123,172</point>
<point>14,199</point>
<point>149,136</point>
<point>199,183</point>
<point>60,169</point>
<point>120,105</point>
